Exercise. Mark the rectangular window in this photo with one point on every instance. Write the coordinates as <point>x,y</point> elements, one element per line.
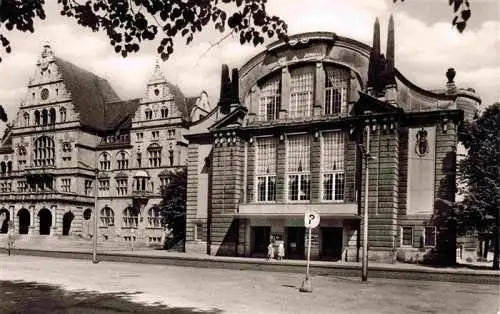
<point>270,100</point>
<point>122,186</point>
<point>154,158</point>
<point>22,186</point>
<point>336,83</point>
<point>298,168</point>
<point>171,133</point>
<point>266,169</point>
<point>406,236</point>
<point>301,94</point>
<point>155,135</point>
<point>139,135</point>
<point>332,159</point>
<point>430,236</point>
<point>88,187</point>
<point>104,187</point>
<point>66,185</point>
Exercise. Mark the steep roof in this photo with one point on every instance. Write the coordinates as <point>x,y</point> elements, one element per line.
<point>99,106</point>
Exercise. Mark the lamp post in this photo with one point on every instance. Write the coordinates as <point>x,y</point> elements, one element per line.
<point>94,238</point>
<point>367,157</point>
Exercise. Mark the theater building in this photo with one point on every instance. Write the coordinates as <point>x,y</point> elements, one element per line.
<point>289,135</point>
<point>72,122</point>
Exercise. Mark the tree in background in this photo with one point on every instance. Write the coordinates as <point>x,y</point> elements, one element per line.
<point>173,207</point>
<point>479,175</point>
<point>128,23</point>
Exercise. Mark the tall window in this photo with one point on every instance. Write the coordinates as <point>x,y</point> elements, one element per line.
<point>149,114</point>
<point>21,160</point>
<point>44,152</point>
<point>154,218</point>
<point>164,112</point>
<point>130,218</point>
<point>62,113</point>
<point>88,187</point>
<point>301,93</point>
<point>26,119</point>
<point>139,159</point>
<point>66,185</point>
<point>171,157</point>
<point>406,236</point>
<point>298,168</point>
<point>270,100</point>
<point>141,183</point>
<point>335,91</point>
<point>104,187</point>
<point>52,116</point>
<point>164,181</point>
<point>122,186</point>
<point>266,169</point>
<point>105,161</point>
<point>155,135</point>
<point>332,158</point>
<point>122,160</point>
<point>45,117</point>
<point>107,217</point>
<point>154,152</point>
<point>37,117</point>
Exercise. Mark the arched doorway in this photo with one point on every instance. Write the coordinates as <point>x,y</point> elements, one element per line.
<point>45,218</point>
<point>24,221</point>
<point>4,220</point>
<point>67,219</point>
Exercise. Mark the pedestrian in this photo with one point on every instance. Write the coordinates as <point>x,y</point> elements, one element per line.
<point>270,251</point>
<point>281,250</point>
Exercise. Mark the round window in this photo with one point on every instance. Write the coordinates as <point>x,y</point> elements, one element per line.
<point>87,213</point>
<point>45,94</point>
<point>157,92</point>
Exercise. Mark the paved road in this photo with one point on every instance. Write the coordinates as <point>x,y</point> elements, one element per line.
<point>233,291</point>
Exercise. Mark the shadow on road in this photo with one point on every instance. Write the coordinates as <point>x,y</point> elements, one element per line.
<point>32,297</point>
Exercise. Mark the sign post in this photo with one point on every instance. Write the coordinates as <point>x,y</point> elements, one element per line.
<point>311,220</point>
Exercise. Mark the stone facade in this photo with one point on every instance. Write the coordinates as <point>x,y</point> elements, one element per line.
<point>290,140</point>
<point>70,123</point>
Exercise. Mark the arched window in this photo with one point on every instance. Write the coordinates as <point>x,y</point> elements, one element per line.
<point>107,217</point>
<point>44,152</point>
<point>149,114</point>
<point>52,114</point>
<point>164,112</point>
<point>105,161</point>
<point>45,117</point>
<point>122,160</point>
<point>26,119</point>
<point>130,217</point>
<point>154,217</point>
<point>62,113</point>
<point>37,117</point>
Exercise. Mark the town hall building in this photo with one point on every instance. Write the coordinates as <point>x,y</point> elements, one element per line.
<point>289,134</point>
<point>71,129</point>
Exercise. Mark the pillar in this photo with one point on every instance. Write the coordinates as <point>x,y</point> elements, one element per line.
<point>53,211</point>
<point>33,222</point>
<point>319,90</point>
<point>285,93</point>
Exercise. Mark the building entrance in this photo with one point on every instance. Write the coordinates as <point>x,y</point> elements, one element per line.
<point>45,218</point>
<point>24,221</point>
<point>4,220</point>
<point>295,239</point>
<point>260,240</point>
<point>331,243</point>
<point>67,220</point>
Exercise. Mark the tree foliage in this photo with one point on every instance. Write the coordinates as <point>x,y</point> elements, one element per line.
<point>479,178</point>
<point>173,205</point>
<point>128,23</point>
<point>461,10</point>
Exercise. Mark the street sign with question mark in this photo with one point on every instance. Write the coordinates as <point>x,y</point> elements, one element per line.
<point>311,219</point>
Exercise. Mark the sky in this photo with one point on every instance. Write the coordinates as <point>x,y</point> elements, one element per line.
<point>426,46</point>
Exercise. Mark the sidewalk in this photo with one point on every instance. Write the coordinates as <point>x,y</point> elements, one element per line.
<point>109,252</point>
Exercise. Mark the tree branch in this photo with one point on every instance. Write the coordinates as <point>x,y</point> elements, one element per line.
<point>214,45</point>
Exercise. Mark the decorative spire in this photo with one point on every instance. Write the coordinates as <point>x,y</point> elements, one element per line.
<point>157,76</point>
<point>228,89</point>
<point>374,55</point>
<point>390,76</point>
